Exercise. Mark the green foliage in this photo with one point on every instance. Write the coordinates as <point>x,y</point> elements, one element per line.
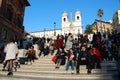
<point>89,29</point>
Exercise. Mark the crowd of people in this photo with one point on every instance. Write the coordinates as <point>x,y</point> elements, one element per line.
<point>74,52</point>
<point>78,51</point>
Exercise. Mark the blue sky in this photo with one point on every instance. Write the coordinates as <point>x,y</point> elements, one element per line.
<point>43,13</point>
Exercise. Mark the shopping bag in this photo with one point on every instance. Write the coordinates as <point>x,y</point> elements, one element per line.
<point>54,58</point>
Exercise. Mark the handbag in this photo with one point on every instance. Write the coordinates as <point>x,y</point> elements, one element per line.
<point>54,58</point>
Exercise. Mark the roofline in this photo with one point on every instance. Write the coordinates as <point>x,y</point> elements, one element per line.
<point>27,3</point>
<point>102,21</point>
<point>45,30</point>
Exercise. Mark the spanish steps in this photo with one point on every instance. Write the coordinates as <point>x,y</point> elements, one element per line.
<point>44,69</point>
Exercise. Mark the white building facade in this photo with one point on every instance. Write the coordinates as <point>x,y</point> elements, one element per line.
<point>68,26</point>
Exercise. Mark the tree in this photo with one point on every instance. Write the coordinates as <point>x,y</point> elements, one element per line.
<point>89,29</point>
<point>100,14</point>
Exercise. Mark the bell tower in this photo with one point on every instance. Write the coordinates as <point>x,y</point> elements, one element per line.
<point>78,16</point>
<point>64,19</point>
<point>78,21</point>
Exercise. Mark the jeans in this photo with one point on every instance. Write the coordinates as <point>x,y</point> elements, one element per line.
<point>58,61</point>
<point>68,64</point>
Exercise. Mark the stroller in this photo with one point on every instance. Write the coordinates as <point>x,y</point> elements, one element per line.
<point>16,64</point>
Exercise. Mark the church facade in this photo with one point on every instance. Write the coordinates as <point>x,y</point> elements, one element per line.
<point>68,25</point>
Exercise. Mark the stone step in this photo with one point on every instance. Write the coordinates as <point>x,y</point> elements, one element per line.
<point>44,68</point>
<point>61,67</point>
<point>61,75</point>
<point>52,64</point>
<point>50,61</point>
<point>53,70</point>
<point>39,78</point>
<point>62,71</point>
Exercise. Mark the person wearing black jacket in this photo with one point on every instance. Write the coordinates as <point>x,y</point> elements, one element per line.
<point>60,58</point>
<point>83,59</point>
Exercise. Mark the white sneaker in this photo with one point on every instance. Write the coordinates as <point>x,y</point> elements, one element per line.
<point>72,72</point>
<point>66,72</point>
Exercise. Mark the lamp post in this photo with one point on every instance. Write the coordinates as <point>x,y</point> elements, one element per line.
<point>44,32</point>
<point>54,28</point>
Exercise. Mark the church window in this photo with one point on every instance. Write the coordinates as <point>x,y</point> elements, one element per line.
<point>77,17</point>
<point>64,19</point>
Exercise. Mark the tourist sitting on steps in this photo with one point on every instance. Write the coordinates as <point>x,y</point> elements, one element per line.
<point>83,58</point>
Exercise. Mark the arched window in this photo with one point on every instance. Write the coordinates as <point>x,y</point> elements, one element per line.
<point>64,19</point>
<point>77,17</point>
<point>9,14</point>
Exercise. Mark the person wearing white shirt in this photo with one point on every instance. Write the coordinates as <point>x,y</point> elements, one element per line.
<point>11,51</point>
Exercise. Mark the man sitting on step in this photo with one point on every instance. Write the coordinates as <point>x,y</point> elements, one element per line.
<point>83,58</point>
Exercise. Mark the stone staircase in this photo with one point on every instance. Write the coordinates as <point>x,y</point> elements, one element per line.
<point>44,69</point>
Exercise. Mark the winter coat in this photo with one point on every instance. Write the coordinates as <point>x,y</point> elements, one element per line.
<point>69,43</point>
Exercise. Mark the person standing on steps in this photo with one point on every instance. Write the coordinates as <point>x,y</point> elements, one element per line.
<point>69,42</point>
<point>11,51</point>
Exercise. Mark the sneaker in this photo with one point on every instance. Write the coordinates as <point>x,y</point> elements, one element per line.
<point>72,72</point>
<point>29,62</point>
<point>66,71</point>
<point>56,67</point>
<point>88,72</point>
<point>15,68</point>
<point>77,72</point>
<point>3,70</point>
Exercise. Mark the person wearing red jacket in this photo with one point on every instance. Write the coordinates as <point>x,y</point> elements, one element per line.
<point>96,57</point>
<point>59,42</point>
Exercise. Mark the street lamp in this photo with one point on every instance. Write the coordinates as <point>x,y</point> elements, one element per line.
<point>54,28</point>
<point>44,32</point>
